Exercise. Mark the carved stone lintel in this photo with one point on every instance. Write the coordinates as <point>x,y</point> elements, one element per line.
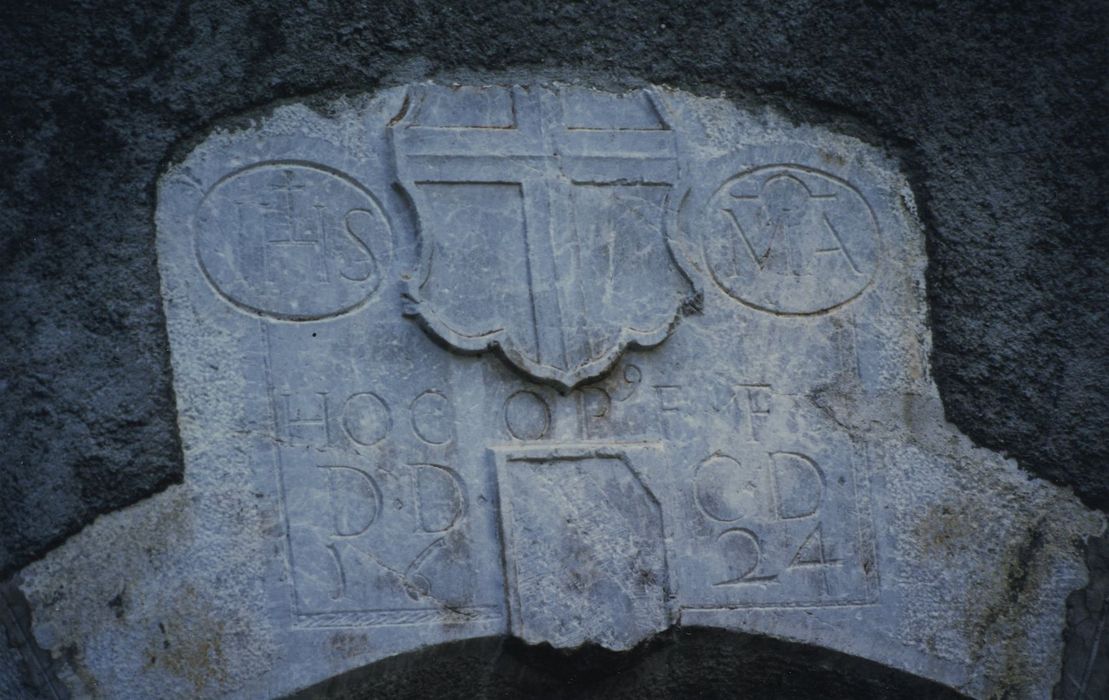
<point>364,479</point>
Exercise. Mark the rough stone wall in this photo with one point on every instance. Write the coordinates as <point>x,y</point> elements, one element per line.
<point>997,110</point>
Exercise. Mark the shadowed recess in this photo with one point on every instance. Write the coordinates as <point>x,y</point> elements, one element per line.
<point>692,662</point>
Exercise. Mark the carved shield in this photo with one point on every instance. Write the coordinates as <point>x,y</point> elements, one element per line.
<point>542,218</point>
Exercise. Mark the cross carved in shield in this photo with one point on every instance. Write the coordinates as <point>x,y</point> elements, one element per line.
<point>542,216</point>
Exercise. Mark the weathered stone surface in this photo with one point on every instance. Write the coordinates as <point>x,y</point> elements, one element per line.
<point>777,462</point>
<point>983,101</point>
<point>542,220</point>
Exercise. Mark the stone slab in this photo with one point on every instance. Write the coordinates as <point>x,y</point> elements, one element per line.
<point>455,362</point>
